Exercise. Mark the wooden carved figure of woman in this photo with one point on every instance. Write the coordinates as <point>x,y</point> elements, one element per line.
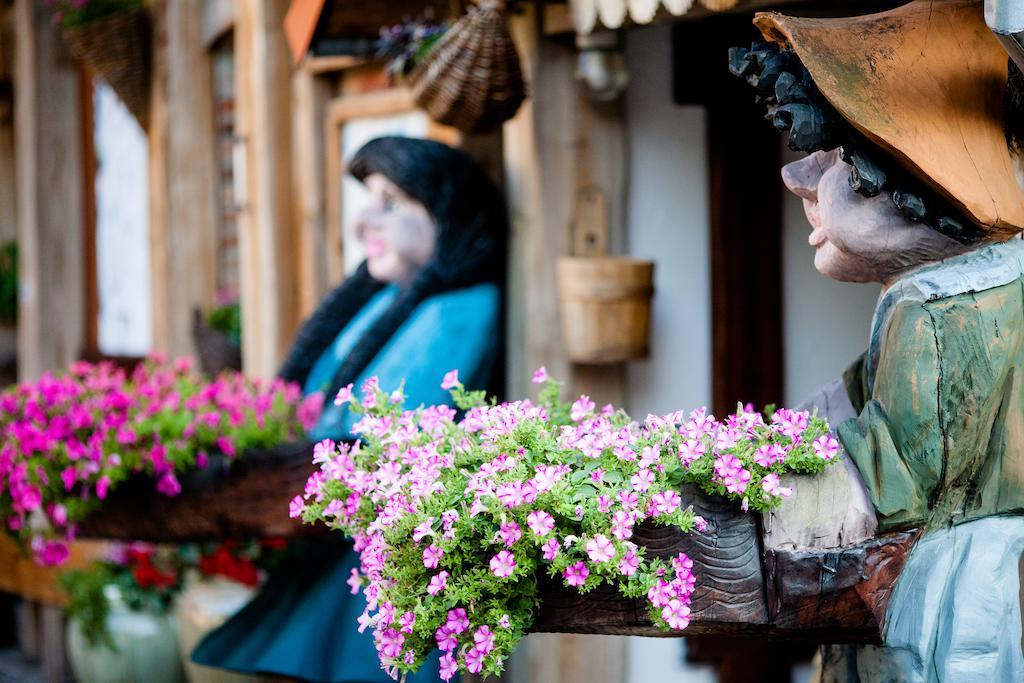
<point>912,119</point>
<point>425,301</point>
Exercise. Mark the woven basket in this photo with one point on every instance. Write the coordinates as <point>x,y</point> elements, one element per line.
<point>214,349</point>
<point>118,50</point>
<point>472,79</point>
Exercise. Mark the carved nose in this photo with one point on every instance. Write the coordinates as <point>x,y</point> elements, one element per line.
<point>801,177</point>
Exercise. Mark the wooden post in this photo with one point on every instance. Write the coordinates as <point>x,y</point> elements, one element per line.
<point>182,175</point>
<point>310,94</point>
<point>50,209</point>
<point>557,145</point>
<point>269,292</point>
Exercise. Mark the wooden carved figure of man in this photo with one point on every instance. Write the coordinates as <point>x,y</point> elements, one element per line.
<point>913,121</point>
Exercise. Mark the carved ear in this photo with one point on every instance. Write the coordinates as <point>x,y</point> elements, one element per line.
<point>1013,118</point>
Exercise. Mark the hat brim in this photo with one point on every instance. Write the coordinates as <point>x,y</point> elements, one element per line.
<point>925,82</point>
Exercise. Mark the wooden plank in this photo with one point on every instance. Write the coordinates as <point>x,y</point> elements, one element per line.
<point>730,595</point>
<point>183,209</point>
<point>250,500</point>
<point>309,96</point>
<point>218,19</point>
<point>50,228</point>
<point>266,231</point>
<point>20,575</point>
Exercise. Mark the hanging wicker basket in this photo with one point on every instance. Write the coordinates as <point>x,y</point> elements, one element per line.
<point>118,50</point>
<point>472,80</point>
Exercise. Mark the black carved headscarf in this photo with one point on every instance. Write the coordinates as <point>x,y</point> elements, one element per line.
<point>796,105</point>
<point>472,222</point>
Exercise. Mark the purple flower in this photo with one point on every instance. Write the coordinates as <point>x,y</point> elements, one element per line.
<point>540,376</point>
<point>457,621</point>
<point>772,487</point>
<point>582,408</point>
<point>629,564</point>
<point>503,564</point>
<point>504,621</point>
<point>665,503</point>
<point>407,621</point>
<point>551,549</point>
<point>354,581</point>
<point>344,395</point>
<point>446,640</point>
<point>448,666</point>
<point>484,639</point>
<point>474,660</point>
<point>642,480</point>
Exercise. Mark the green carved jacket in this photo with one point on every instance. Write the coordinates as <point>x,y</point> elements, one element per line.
<point>940,393</point>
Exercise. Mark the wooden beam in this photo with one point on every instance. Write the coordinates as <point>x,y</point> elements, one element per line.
<point>50,209</point>
<point>183,209</point>
<point>266,231</point>
<point>556,145</point>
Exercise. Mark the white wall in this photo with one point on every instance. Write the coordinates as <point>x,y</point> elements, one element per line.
<point>826,323</point>
<point>668,223</point>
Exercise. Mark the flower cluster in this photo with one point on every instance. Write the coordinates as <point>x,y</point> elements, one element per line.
<point>453,518</point>
<point>67,440</point>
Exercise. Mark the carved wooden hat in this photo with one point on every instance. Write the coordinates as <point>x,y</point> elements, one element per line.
<point>926,83</point>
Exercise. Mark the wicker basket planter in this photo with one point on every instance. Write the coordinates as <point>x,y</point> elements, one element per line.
<point>118,49</point>
<point>472,79</point>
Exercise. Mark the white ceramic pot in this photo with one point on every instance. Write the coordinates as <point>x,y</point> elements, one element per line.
<point>203,605</point>
<point>146,647</point>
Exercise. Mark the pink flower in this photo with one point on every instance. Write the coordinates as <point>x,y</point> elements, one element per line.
<point>448,666</point>
<point>102,486</point>
<point>642,480</point>
<point>295,507</point>
<point>391,642</point>
<point>772,487</point>
<point>551,549</point>
<point>354,581</point>
<point>510,533</point>
<point>168,485</point>
<point>540,523</point>
<point>344,395</point>
<point>406,622</point>
<point>700,523</point>
<point>457,621</point>
<point>431,556</point>
<point>629,564</point>
<point>474,660</point>
<point>540,376</point>
<point>676,614</point>
<point>446,640</point>
<point>690,450</point>
<point>826,447</point>
<point>451,380</point>
<point>769,454</point>
<point>503,564</point>
<point>622,525</point>
<point>484,639</point>
<point>600,549</point>
<point>576,574</point>
<point>628,499</point>
<point>665,503</point>
<point>582,408</point>
<point>504,621</point>
<point>438,583</point>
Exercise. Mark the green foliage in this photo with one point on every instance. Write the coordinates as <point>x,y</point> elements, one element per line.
<point>227,319</point>
<point>74,13</point>
<point>9,283</point>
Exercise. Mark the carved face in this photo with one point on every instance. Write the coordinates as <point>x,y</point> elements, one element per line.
<point>397,233</point>
<point>859,239</point>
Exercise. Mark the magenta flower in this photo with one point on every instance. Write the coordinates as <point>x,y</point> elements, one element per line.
<point>582,408</point>
<point>295,507</point>
<point>344,395</point>
<point>665,503</point>
<point>576,574</point>
<point>772,487</point>
<point>446,640</point>
<point>642,480</point>
<point>484,639</point>
<point>600,549</point>
<point>474,660</point>
<point>354,581</point>
<point>432,556</point>
<point>503,564</point>
<point>629,564</point>
<point>168,485</point>
<point>451,380</point>
<point>676,614</point>
<point>406,622</point>
<point>540,375</point>
<point>700,523</point>
<point>540,523</point>
<point>551,549</point>
<point>627,499</point>
<point>457,621</point>
<point>826,447</point>
<point>449,666</point>
<point>504,621</point>
<point>690,450</point>
<point>438,583</point>
<point>510,533</point>
<point>102,486</point>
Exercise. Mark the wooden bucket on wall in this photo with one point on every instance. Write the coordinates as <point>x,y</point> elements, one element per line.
<point>605,308</point>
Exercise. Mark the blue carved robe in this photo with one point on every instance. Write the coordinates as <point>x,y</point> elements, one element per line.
<point>303,622</point>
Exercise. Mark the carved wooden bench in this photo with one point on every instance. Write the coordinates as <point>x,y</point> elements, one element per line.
<point>821,596</point>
